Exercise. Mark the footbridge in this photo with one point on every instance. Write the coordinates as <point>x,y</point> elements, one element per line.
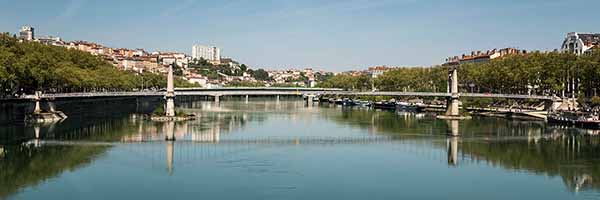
<point>280,92</point>
<point>452,95</point>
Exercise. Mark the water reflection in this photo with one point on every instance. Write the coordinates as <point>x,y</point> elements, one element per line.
<point>574,158</point>
<point>516,146</point>
<point>208,129</point>
<point>170,152</point>
<point>28,165</point>
<point>570,153</point>
<point>453,127</point>
<point>452,143</point>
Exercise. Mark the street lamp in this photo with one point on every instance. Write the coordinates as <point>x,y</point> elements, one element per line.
<point>471,85</point>
<point>142,75</point>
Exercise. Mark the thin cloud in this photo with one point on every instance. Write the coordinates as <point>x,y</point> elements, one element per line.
<point>178,8</point>
<point>191,4</point>
<point>340,6</point>
<point>70,10</point>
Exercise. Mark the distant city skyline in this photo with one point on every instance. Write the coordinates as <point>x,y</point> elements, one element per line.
<point>329,35</point>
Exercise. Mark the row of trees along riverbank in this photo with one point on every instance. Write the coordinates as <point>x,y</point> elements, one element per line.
<point>534,73</point>
<point>29,66</point>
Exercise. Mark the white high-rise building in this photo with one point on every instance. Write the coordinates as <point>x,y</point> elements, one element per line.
<point>210,53</point>
<point>26,33</point>
<point>579,43</point>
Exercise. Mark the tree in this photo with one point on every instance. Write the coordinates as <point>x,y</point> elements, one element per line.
<point>261,74</point>
<point>348,82</point>
<point>177,70</point>
<point>245,84</point>
<point>30,66</point>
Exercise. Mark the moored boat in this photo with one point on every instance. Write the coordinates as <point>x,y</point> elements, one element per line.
<point>593,124</point>
<point>348,102</point>
<point>588,121</point>
<point>408,107</point>
<point>384,105</point>
<point>564,118</point>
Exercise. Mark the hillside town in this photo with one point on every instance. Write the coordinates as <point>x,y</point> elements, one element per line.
<point>205,66</point>
<point>209,69</point>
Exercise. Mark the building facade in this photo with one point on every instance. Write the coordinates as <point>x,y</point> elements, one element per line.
<point>26,33</point>
<point>210,53</point>
<point>50,40</point>
<point>579,43</point>
<point>482,56</point>
<point>377,70</point>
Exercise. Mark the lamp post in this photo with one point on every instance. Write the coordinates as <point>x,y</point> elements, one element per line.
<point>142,75</point>
<point>471,85</point>
<point>142,81</point>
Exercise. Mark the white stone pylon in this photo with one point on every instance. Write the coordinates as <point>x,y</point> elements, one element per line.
<point>453,101</point>
<point>170,96</point>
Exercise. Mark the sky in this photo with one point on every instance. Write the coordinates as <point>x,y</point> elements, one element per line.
<point>322,34</point>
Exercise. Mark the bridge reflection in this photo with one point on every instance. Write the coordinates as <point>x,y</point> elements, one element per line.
<point>515,145</point>
<point>207,130</point>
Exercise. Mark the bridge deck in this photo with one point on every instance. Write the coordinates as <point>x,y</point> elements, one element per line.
<point>278,91</point>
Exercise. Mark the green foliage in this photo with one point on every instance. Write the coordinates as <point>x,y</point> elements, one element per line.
<point>348,82</point>
<point>320,77</point>
<point>534,73</point>
<point>538,73</point>
<point>245,84</point>
<point>243,67</point>
<point>285,85</point>
<point>177,70</point>
<point>477,102</point>
<point>261,75</point>
<point>211,71</point>
<point>181,113</point>
<point>414,79</point>
<point>26,166</point>
<point>30,66</point>
<point>159,111</point>
<point>595,101</point>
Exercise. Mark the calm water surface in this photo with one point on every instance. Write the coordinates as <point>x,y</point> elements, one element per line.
<point>284,150</point>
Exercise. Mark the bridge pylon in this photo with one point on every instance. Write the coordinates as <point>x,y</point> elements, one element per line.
<point>170,95</point>
<point>38,97</point>
<point>453,101</point>
<point>309,99</point>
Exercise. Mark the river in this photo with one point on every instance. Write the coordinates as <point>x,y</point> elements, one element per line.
<point>285,150</point>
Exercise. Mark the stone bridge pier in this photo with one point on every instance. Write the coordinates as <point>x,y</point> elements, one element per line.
<point>453,101</point>
<point>170,96</point>
<point>40,115</point>
<point>309,99</point>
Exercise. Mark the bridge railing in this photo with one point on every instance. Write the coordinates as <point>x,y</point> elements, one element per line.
<point>510,96</point>
<point>286,91</point>
<point>380,93</point>
<point>102,94</point>
<point>259,88</point>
